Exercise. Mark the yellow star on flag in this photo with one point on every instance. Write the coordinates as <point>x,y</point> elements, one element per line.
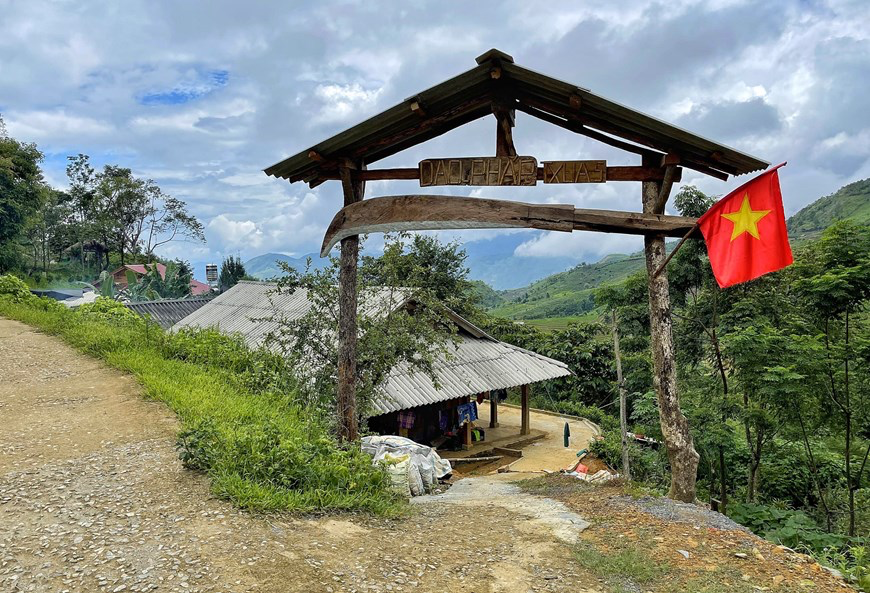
<point>746,219</point>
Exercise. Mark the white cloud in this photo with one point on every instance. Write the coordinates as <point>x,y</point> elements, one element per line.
<point>247,179</point>
<point>76,78</point>
<point>234,234</point>
<point>578,245</point>
<point>341,101</point>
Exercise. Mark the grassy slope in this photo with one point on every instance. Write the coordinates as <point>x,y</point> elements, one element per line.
<point>269,455</point>
<point>568,293</point>
<point>850,201</point>
<point>553,301</point>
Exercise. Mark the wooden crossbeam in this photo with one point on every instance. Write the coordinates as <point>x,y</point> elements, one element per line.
<point>428,212</point>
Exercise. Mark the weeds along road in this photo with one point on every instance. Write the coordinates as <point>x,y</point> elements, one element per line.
<point>94,498</point>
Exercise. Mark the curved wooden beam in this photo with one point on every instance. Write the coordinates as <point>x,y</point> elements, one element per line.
<point>430,212</point>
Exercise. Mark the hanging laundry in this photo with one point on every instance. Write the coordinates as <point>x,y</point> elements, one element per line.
<point>467,412</point>
<point>406,419</point>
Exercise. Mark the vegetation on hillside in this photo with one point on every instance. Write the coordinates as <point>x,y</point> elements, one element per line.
<point>850,202</point>
<point>567,293</point>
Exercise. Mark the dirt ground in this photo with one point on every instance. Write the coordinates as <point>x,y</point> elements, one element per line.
<point>548,453</point>
<point>93,498</point>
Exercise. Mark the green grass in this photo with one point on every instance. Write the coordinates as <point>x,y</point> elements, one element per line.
<point>555,323</point>
<point>260,449</point>
<point>626,569</point>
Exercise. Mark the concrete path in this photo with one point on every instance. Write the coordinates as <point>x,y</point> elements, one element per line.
<point>548,453</point>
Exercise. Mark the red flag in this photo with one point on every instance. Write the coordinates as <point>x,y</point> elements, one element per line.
<point>745,231</point>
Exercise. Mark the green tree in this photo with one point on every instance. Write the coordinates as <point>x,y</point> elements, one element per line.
<point>82,200</point>
<point>232,270</point>
<point>833,277</point>
<point>422,261</point>
<point>398,327</point>
<point>21,185</point>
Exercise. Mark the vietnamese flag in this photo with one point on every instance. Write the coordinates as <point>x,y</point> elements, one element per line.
<point>745,231</point>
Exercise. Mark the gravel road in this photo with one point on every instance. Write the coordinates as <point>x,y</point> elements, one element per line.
<point>93,498</point>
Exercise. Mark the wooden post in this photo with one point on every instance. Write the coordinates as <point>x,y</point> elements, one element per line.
<point>623,413</point>
<point>504,140</point>
<point>347,309</point>
<point>524,391</point>
<point>493,410</point>
<point>675,428</point>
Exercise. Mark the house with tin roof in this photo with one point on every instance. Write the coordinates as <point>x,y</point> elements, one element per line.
<point>409,402</point>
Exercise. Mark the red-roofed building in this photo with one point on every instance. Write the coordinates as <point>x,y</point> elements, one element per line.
<point>120,275</point>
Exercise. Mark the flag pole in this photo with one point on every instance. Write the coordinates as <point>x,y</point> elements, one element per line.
<point>674,252</point>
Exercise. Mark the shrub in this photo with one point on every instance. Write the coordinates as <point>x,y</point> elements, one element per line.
<point>647,465</point>
<point>105,309</point>
<point>14,288</point>
<point>604,420</point>
<point>794,529</point>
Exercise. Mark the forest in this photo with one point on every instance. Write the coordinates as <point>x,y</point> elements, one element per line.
<point>773,376</point>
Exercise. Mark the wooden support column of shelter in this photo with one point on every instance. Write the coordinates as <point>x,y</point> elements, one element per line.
<point>347,311</point>
<point>675,428</point>
<point>493,409</point>
<point>524,400</point>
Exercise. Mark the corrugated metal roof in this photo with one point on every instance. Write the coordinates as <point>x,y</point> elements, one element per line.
<point>473,366</point>
<point>248,307</point>
<point>477,363</point>
<point>469,96</point>
<point>169,312</point>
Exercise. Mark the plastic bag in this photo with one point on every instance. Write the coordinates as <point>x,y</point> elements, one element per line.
<point>398,468</point>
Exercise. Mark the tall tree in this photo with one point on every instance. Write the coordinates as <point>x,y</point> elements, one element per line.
<point>423,261</point>
<point>166,220</point>
<point>232,270</point>
<point>834,279</point>
<point>20,194</point>
<point>82,196</point>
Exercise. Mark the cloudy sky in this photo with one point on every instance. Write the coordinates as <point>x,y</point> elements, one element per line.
<point>201,96</point>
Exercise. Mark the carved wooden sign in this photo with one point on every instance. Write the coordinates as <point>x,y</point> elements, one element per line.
<point>575,171</point>
<point>489,170</point>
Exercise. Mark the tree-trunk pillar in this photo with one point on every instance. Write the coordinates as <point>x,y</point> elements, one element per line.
<point>524,397</point>
<point>675,428</point>
<point>347,315</point>
<point>623,403</point>
<point>493,410</point>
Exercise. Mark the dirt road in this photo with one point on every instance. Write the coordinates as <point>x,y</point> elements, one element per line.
<point>93,498</point>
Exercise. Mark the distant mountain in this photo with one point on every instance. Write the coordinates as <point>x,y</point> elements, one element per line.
<point>489,260</point>
<point>493,261</point>
<point>265,267</point>
<point>850,201</point>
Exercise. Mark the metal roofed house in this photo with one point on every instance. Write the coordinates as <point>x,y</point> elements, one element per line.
<point>168,312</point>
<point>197,288</point>
<point>478,363</point>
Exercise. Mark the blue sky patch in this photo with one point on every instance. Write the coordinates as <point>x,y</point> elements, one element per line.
<point>205,82</point>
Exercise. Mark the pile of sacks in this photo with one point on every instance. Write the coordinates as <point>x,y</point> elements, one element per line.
<point>413,468</point>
